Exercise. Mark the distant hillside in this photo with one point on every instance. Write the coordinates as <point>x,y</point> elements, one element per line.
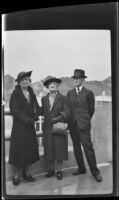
<point>67,83</point>
<point>9,84</point>
<point>107,80</point>
<point>96,86</point>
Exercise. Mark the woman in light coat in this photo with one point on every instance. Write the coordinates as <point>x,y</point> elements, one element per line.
<point>54,109</point>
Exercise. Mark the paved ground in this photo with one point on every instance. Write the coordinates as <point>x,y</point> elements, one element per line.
<point>70,185</point>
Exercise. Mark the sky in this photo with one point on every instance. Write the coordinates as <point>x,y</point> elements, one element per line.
<point>58,53</point>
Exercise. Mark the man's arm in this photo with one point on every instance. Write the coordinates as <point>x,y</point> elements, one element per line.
<point>91,103</point>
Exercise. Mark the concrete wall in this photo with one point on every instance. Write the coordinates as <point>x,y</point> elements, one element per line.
<point>101,134</point>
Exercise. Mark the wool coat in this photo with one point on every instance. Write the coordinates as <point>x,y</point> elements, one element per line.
<point>55,145</point>
<point>23,144</point>
<point>82,107</point>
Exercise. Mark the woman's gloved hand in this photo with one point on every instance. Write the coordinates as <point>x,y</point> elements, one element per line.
<point>35,118</point>
<point>30,122</point>
<point>56,119</point>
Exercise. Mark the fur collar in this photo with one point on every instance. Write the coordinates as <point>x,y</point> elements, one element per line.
<point>20,96</point>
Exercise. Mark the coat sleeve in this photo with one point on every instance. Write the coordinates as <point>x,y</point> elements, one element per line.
<point>91,103</point>
<point>68,100</point>
<point>65,113</point>
<point>37,108</point>
<point>69,103</point>
<point>16,111</point>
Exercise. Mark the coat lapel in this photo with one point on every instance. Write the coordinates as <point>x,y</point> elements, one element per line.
<point>80,96</point>
<point>47,104</point>
<point>56,100</point>
<point>74,95</point>
<point>21,97</point>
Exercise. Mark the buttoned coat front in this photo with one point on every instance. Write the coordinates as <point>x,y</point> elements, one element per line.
<point>81,107</point>
<point>59,105</point>
<point>23,144</point>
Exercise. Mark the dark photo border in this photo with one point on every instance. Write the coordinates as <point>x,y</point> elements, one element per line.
<point>99,16</point>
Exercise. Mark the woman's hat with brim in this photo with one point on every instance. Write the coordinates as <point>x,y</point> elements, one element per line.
<point>51,79</point>
<point>79,73</point>
<point>22,75</point>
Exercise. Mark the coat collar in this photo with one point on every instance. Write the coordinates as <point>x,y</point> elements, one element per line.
<point>79,88</point>
<point>74,93</point>
<point>82,89</point>
<point>21,96</point>
<point>58,95</point>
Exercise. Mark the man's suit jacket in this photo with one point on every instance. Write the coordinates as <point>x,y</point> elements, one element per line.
<point>82,108</point>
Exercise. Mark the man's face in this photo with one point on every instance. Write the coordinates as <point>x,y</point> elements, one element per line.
<point>53,87</point>
<point>78,82</point>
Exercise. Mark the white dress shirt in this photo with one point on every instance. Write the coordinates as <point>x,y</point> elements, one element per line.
<point>52,98</point>
<point>78,89</point>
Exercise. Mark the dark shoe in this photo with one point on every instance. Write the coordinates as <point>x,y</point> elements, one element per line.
<point>28,178</point>
<point>98,178</point>
<point>78,172</point>
<point>24,175</point>
<point>50,173</point>
<point>31,179</point>
<point>16,181</point>
<point>59,175</point>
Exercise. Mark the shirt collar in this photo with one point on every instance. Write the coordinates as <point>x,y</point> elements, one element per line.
<point>53,94</point>
<point>80,88</point>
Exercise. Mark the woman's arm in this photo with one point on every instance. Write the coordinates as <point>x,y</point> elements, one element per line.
<point>65,113</point>
<point>38,110</point>
<point>16,112</point>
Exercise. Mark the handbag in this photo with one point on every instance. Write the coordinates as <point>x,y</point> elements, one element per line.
<point>60,127</point>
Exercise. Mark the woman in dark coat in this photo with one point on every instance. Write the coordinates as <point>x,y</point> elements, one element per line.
<point>55,109</point>
<point>23,145</point>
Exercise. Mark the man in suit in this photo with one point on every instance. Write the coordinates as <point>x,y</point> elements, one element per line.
<point>81,103</point>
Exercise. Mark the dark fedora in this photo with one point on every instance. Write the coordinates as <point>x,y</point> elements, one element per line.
<point>22,75</point>
<point>79,73</point>
<point>51,79</point>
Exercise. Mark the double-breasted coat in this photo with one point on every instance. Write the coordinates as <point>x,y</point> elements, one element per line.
<point>82,107</point>
<point>55,145</point>
<point>23,144</point>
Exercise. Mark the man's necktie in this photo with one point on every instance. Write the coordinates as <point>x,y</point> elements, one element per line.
<point>78,90</point>
<point>78,93</point>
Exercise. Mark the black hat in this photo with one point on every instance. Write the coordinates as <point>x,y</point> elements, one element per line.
<point>22,75</point>
<point>79,73</point>
<point>51,79</point>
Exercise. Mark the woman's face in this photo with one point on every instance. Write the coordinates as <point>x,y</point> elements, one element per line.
<point>78,81</point>
<point>24,82</point>
<point>53,87</point>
